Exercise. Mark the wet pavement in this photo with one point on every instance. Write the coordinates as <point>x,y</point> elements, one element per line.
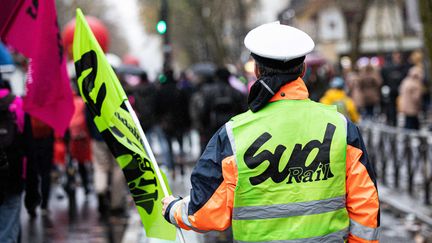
<point>64,224</point>
<point>396,227</point>
<point>81,223</point>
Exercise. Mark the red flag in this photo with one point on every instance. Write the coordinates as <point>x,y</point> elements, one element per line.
<point>32,29</point>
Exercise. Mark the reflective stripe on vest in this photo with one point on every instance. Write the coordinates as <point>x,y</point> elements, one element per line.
<point>288,210</point>
<point>339,236</point>
<point>291,173</point>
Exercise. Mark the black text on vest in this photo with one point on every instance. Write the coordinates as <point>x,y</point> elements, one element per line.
<point>296,170</point>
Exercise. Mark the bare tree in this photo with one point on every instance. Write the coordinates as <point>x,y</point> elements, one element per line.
<point>426,18</point>
<point>203,30</point>
<point>355,14</point>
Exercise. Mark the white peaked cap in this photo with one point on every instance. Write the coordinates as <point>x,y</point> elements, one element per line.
<point>278,42</point>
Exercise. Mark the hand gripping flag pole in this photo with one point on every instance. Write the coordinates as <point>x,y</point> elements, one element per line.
<point>119,126</point>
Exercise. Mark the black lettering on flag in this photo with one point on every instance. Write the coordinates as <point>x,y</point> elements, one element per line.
<point>59,42</point>
<point>139,173</point>
<point>134,173</point>
<point>130,127</point>
<point>89,60</point>
<point>32,10</point>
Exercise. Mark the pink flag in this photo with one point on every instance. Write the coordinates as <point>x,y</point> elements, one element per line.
<point>32,29</point>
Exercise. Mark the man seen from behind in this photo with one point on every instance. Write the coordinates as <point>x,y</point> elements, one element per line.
<point>287,170</point>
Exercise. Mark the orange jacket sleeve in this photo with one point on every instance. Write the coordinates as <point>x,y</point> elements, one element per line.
<point>362,193</point>
<point>209,206</point>
<point>216,213</point>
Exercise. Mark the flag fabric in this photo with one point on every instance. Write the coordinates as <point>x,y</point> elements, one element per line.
<point>105,98</point>
<point>32,30</point>
<point>18,27</point>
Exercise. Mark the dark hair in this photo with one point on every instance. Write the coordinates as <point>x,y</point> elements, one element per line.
<point>222,74</point>
<point>268,71</point>
<point>143,77</point>
<point>5,84</point>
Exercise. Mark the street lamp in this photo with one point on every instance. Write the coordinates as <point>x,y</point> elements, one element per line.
<point>161,27</point>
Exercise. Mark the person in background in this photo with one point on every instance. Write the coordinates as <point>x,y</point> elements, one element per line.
<point>392,75</point>
<point>316,82</point>
<point>351,78</point>
<point>369,83</point>
<point>410,98</point>
<point>172,114</point>
<point>337,96</point>
<point>144,97</point>
<point>59,160</point>
<point>417,60</point>
<point>287,170</point>
<point>16,172</point>
<point>79,141</point>
<point>109,181</point>
<point>214,104</point>
<point>42,154</point>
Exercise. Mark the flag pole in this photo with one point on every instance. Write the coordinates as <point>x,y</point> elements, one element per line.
<point>149,152</point>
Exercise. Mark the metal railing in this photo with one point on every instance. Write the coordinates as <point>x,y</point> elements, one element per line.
<point>401,158</point>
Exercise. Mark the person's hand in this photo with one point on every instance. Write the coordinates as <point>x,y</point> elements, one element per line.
<point>166,201</point>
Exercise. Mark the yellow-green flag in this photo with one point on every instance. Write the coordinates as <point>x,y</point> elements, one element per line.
<point>105,98</point>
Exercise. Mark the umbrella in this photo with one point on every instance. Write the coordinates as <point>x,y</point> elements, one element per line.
<point>129,69</point>
<point>6,61</point>
<point>315,59</point>
<point>203,69</point>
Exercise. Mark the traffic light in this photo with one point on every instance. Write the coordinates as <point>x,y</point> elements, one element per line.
<point>161,27</point>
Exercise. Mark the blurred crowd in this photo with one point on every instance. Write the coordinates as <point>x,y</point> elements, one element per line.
<point>392,90</point>
<point>200,99</point>
<point>169,108</point>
